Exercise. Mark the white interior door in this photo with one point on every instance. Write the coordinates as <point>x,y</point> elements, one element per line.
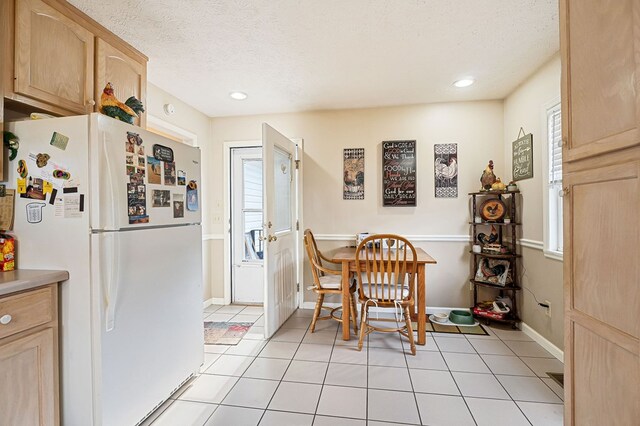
<point>279,207</point>
<point>247,238</point>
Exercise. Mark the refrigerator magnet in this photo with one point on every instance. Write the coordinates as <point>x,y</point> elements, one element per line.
<point>34,189</point>
<point>161,198</point>
<point>23,171</point>
<point>182,178</point>
<point>21,185</point>
<point>163,153</point>
<point>154,167</point>
<point>34,212</point>
<point>59,140</point>
<point>192,196</point>
<point>169,173</point>
<point>42,159</point>
<point>178,206</point>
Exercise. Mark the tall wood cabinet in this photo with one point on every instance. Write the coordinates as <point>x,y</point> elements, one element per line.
<point>600,45</point>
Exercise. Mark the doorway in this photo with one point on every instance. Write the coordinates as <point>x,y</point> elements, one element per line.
<point>247,239</point>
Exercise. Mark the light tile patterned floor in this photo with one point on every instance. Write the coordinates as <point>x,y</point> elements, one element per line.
<point>301,379</point>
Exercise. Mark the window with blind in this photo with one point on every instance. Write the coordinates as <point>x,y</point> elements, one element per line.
<point>554,180</point>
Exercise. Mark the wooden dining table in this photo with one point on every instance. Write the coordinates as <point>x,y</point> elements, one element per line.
<point>347,257</point>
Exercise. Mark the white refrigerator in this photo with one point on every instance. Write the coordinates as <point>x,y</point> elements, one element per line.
<point>119,208</point>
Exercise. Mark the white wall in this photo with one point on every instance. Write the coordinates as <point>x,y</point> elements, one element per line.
<point>193,121</point>
<point>477,127</point>
<point>525,107</point>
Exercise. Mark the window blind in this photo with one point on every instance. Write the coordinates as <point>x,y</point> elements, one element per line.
<point>555,145</point>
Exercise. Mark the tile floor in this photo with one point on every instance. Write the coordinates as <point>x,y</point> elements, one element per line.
<point>301,379</point>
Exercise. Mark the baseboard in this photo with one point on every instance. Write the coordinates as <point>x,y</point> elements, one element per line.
<point>542,341</point>
<point>213,301</point>
<point>430,309</point>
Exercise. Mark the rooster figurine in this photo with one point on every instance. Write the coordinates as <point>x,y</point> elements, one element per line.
<point>112,107</point>
<point>488,239</point>
<point>488,177</point>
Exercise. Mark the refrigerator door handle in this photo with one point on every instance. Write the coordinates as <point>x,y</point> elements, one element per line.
<point>112,279</point>
<point>115,199</point>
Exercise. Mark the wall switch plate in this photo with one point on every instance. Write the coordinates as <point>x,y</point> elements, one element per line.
<point>548,310</point>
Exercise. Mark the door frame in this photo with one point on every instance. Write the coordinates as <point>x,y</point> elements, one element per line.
<point>226,232</point>
<point>236,183</point>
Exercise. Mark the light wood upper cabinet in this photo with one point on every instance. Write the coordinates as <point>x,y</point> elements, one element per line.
<point>601,95</point>
<point>52,54</point>
<point>53,57</point>
<point>127,75</point>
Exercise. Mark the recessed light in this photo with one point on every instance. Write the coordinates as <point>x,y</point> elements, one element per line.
<point>465,82</point>
<point>238,96</point>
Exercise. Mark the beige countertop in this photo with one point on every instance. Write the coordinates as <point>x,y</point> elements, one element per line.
<point>25,279</point>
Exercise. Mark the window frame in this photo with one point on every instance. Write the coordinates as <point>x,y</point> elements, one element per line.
<point>551,219</point>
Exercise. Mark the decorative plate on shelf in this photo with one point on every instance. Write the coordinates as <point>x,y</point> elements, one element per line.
<point>493,210</point>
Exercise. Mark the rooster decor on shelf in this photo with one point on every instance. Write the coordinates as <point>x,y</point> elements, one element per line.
<point>488,178</point>
<point>112,107</point>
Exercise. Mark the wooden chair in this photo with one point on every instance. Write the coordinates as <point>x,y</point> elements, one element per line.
<point>327,281</point>
<point>386,279</point>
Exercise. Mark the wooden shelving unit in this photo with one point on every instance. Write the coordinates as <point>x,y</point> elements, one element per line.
<point>507,237</point>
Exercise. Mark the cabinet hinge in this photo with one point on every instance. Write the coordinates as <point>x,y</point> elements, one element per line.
<point>297,225</point>
<point>297,164</point>
<point>297,286</point>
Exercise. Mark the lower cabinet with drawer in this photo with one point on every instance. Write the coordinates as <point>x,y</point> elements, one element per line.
<point>29,357</point>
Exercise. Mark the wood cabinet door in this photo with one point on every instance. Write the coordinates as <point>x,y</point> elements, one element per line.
<point>600,45</point>
<point>128,76</point>
<point>602,295</point>
<point>53,57</point>
<point>28,389</point>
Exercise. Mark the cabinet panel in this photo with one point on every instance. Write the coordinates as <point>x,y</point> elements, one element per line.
<point>601,54</point>
<point>27,310</point>
<point>53,57</point>
<point>127,75</point>
<point>605,381</point>
<point>605,234</point>
<point>27,375</point>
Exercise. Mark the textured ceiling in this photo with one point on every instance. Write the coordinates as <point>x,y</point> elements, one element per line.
<point>293,55</point>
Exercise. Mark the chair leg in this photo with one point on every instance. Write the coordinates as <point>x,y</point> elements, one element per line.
<point>354,313</point>
<point>407,317</point>
<point>363,326</point>
<point>316,311</point>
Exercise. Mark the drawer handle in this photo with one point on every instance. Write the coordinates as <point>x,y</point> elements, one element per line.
<point>5,319</point>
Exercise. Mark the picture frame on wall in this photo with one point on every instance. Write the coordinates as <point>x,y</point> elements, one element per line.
<point>399,180</point>
<point>353,174</point>
<point>522,158</point>
<point>445,170</point>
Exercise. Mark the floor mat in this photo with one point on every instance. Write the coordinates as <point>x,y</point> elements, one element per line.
<point>477,330</point>
<point>225,333</point>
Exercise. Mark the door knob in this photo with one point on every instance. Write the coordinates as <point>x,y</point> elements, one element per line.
<point>5,319</point>
<point>91,102</point>
<point>272,238</point>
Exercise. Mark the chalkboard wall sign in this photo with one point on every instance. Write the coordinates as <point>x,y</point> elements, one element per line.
<point>399,173</point>
<point>522,160</point>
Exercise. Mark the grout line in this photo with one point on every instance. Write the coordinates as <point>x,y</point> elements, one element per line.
<point>326,372</point>
<point>496,379</point>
